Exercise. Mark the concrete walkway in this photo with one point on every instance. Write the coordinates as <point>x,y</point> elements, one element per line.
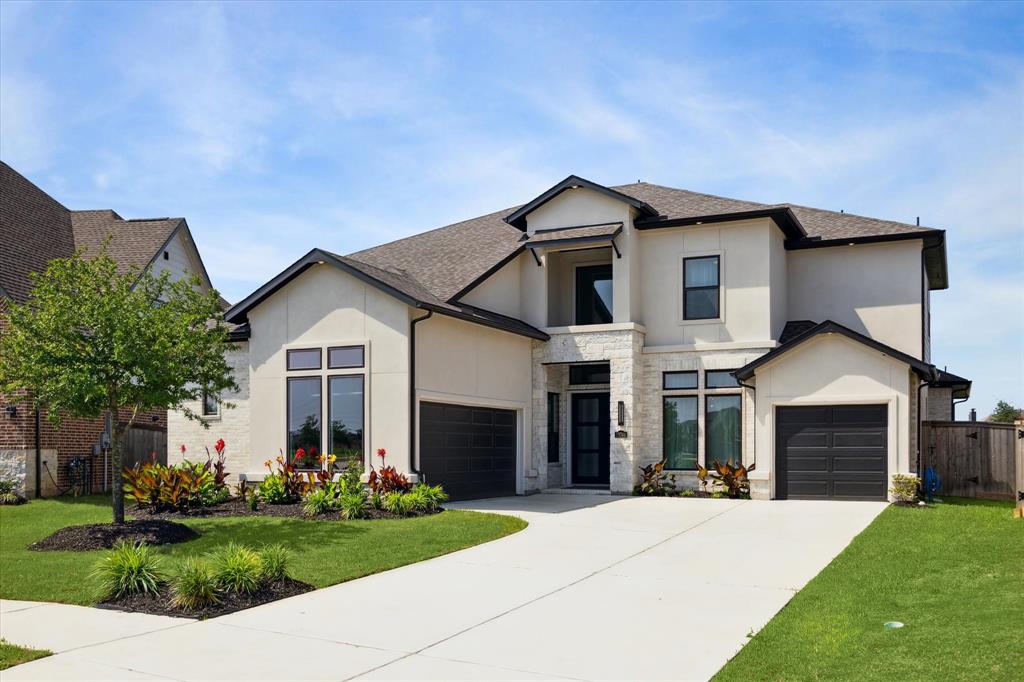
<point>595,588</point>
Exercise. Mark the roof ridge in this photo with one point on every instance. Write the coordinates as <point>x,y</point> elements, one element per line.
<point>690,191</point>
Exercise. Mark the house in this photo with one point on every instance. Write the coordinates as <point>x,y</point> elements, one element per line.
<point>592,330</point>
<point>35,228</point>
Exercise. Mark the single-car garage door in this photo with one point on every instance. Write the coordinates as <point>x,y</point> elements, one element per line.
<point>831,452</point>
<point>471,451</point>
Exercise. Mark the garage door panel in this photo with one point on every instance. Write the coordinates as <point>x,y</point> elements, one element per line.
<point>832,452</point>
<point>471,451</point>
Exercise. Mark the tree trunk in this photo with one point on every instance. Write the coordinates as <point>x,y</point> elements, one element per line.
<point>116,477</point>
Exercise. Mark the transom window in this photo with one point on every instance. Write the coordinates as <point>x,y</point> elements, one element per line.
<point>344,357</point>
<point>594,294</point>
<point>600,373</point>
<point>673,381</point>
<point>304,358</point>
<point>720,379</point>
<point>701,296</point>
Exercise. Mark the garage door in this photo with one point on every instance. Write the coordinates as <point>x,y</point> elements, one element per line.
<point>832,452</point>
<point>471,451</point>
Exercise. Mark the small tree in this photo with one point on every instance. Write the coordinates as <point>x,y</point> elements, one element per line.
<point>1005,413</point>
<point>90,340</point>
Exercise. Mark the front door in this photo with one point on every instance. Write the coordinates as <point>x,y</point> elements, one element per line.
<point>590,425</point>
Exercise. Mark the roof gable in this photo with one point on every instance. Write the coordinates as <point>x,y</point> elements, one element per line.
<point>518,217</point>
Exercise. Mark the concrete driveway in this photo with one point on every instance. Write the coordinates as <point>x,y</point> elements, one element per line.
<point>595,588</point>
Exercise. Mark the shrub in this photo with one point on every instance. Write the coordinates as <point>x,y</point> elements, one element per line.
<point>352,477</point>
<point>376,500</point>
<point>274,562</point>
<point>427,497</point>
<point>283,486</point>
<point>905,488</point>
<point>241,491</point>
<point>398,503</point>
<point>387,480</point>
<point>319,501</point>
<point>194,586</point>
<point>238,568</point>
<point>130,568</point>
<point>254,501</point>
<point>733,480</point>
<point>654,482</point>
<point>9,493</point>
<point>175,488</point>
<point>352,505</point>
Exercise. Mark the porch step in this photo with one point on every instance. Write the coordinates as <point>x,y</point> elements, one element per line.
<point>576,490</point>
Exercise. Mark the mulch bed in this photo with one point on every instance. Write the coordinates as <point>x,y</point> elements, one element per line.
<point>160,605</point>
<point>106,535</point>
<point>236,507</point>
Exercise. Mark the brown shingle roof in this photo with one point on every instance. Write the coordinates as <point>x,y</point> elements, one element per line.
<point>582,233</point>
<point>447,260</point>
<point>133,243</point>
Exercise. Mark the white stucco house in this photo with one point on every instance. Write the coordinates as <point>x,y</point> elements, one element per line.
<point>592,330</point>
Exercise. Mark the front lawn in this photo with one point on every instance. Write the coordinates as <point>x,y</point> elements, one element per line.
<point>322,552</point>
<point>12,655</point>
<point>952,573</point>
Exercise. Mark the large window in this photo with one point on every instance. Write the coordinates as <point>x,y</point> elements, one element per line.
<point>304,419</point>
<point>553,419</point>
<point>679,446</point>
<point>345,411</point>
<point>701,300</point>
<point>594,294</point>
<point>599,373</point>
<point>723,427</point>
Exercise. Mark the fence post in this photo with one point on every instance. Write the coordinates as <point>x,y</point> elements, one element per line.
<point>1018,510</point>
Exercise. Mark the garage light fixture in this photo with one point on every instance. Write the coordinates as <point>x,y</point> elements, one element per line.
<point>622,413</point>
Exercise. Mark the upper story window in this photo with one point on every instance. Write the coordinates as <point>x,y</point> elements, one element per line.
<point>674,381</point>
<point>304,358</point>
<point>720,379</point>
<point>594,294</point>
<point>701,296</point>
<point>344,357</point>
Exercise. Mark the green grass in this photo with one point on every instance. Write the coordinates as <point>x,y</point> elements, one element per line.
<point>322,552</point>
<point>12,655</point>
<point>952,573</point>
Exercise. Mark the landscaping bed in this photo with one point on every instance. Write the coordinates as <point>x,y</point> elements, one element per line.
<point>159,605</point>
<point>106,535</point>
<point>295,510</point>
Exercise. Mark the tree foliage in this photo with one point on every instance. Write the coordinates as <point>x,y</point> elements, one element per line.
<point>91,340</point>
<point>1005,413</point>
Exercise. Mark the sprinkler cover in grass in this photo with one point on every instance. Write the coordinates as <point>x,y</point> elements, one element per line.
<point>893,624</point>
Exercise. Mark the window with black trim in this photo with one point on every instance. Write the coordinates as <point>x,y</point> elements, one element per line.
<point>211,406</point>
<point>600,373</point>
<point>345,412</point>
<point>679,432</point>
<point>345,357</point>
<point>304,421</point>
<point>594,294</point>
<point>701,295</point>
<point>723,433</point>
<point>304,358</point>
<point>720,379</point>
<point>553,418</point>
<point>676,381</point>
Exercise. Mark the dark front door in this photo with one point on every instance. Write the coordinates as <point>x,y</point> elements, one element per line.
<point>469,450</point>
<point>837,452</point>
<point>590,456</point>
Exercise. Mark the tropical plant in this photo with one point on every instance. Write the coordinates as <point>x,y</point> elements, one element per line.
<point>905,488</point>
<point>654,482</point>
<point>242,491</point>
<point>283,486</point>
<point>702,476</point>
<point>352,477</point>
<point>352,505</point>
<point>398,503</point>
<point>193,586</point>
<point>254,501</point>
<point>376,500</point>
<point>9,493</point>
<point>732,479</point>
<point>426,498</point>
<point>318,501</point>
<point>94,339</point>
<point>237,568</point>
<point>130,568</point>
<point>687,492</point>
<point>274,562</point>
<point>388,479</point>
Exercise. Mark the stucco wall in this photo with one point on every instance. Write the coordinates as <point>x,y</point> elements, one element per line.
<point>502,291</point>
<point>560,267</point>
<point>874,289</point>
<point>833,370</point>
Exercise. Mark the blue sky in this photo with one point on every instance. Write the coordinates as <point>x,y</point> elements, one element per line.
<point>277,127</point>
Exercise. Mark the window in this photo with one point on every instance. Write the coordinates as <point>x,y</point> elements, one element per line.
<point>700,288</point>
<point>211,406</point>
<point>679,380</point>
<point>590,374</point>
<point>304,358</point>
<point>553,415</point>
<point>723,441</point>
<point>344,357</point>
<point>345,411</point>
<point>720,379</point>
<point>304,417</point>
<point>594,294</point>
<point>679,433</point>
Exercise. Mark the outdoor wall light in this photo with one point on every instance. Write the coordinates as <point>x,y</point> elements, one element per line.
<point>622,413</point>
<point>11,411</point>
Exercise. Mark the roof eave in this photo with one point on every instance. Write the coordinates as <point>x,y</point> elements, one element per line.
<point>783,217</point>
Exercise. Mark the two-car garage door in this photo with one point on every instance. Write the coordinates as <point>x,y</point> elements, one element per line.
<point>831,452</point>
<point>469,450</point>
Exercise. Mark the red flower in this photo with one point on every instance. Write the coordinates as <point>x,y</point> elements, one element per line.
<point>300,454</point>
<point>312,452</point>
<point>381,452</point>
<point>219,446</point>
<point>183,448</point>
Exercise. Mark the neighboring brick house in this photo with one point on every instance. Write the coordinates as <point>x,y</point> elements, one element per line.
<point>35,228</point>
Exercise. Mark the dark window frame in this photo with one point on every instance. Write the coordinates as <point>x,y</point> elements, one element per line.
<point>665,376</point>
<point>554,406</point>
<point>289,451</point>
<point>583,269</point>
<point>319,364</point>
<point>707,430</point>
<point>717,287</point>
<point>589,382</point>
<point>697,449</point>
<point>362,404</point>
<point>362,356</point>
<point>216,413</point>
<point>727,372</point>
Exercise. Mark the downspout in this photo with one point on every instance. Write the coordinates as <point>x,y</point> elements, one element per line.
<point>918,466</point>
<point>39,456</point>
<point>953,402</point>
<point>412,394</point>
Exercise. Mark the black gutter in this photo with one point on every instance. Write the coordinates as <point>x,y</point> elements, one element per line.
<point>412,394</point>
<point>783,217</point>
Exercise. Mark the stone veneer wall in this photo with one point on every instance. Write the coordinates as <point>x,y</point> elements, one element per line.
<point>232,425</point>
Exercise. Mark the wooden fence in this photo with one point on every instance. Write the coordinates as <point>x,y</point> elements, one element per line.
<point>141,443</point>
<point>974,459</point>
